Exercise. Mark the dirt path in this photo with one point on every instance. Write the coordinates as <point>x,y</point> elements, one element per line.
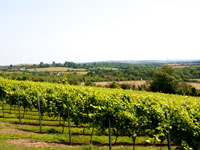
<point>41,144</point>
<point>34,143</point>
<point>15,131</point>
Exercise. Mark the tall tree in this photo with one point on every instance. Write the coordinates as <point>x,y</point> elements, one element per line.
<point>166,80</point>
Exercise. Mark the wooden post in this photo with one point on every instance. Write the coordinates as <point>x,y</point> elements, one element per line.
<point>39,113</point>
<point>168,134</point>
<point>69,126</point>
<point>2,106</point>
<point>18,105</point>
<point>110,140</point>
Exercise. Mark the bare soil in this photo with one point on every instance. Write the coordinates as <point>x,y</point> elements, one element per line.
<point>142,82</point>
<point>4,124</point>
<point>14,131</point>
<point>41,144</point>
<point>7,124</point>
<point>196,85</point>
<point>34,143</point>
<point>136,83</point>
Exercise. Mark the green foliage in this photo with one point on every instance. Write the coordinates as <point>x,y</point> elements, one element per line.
<point>164,82</point>
<point>89,83</point>
<point>114,85</point>
<point>65,80</point>
<point>168,81</point>
<point>87,147</point>
<point>125,86</point>
<point>132,113</point>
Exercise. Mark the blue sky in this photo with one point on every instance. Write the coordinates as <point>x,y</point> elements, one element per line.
<point>32,31</point>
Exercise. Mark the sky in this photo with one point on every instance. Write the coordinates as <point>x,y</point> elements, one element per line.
<point>34,31</point>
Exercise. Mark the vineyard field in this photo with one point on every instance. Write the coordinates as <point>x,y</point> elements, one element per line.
<point>131,113</point>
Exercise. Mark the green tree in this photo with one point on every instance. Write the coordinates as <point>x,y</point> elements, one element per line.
<point>41,64</point>
<point>167,81</point>
<point>54,64</point>
<point>113,85</point>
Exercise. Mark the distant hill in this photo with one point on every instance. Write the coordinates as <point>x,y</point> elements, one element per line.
<point>149,61</point>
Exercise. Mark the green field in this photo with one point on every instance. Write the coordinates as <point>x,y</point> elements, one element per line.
<point>194,80</point>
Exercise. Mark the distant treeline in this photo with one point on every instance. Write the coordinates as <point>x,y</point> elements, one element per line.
<point>93,65</point>
<point>102,71</point>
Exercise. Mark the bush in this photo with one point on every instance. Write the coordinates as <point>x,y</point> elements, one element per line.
<point>89,83</point>
<point>113,85</point>
<point>125,86</point>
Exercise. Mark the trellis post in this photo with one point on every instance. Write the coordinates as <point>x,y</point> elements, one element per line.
<point>168,134</point>
<point>39,112</point>
<point>18,105</point>
<point>109,125</point>
<point>69,126</point>
<point>2,105</point>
